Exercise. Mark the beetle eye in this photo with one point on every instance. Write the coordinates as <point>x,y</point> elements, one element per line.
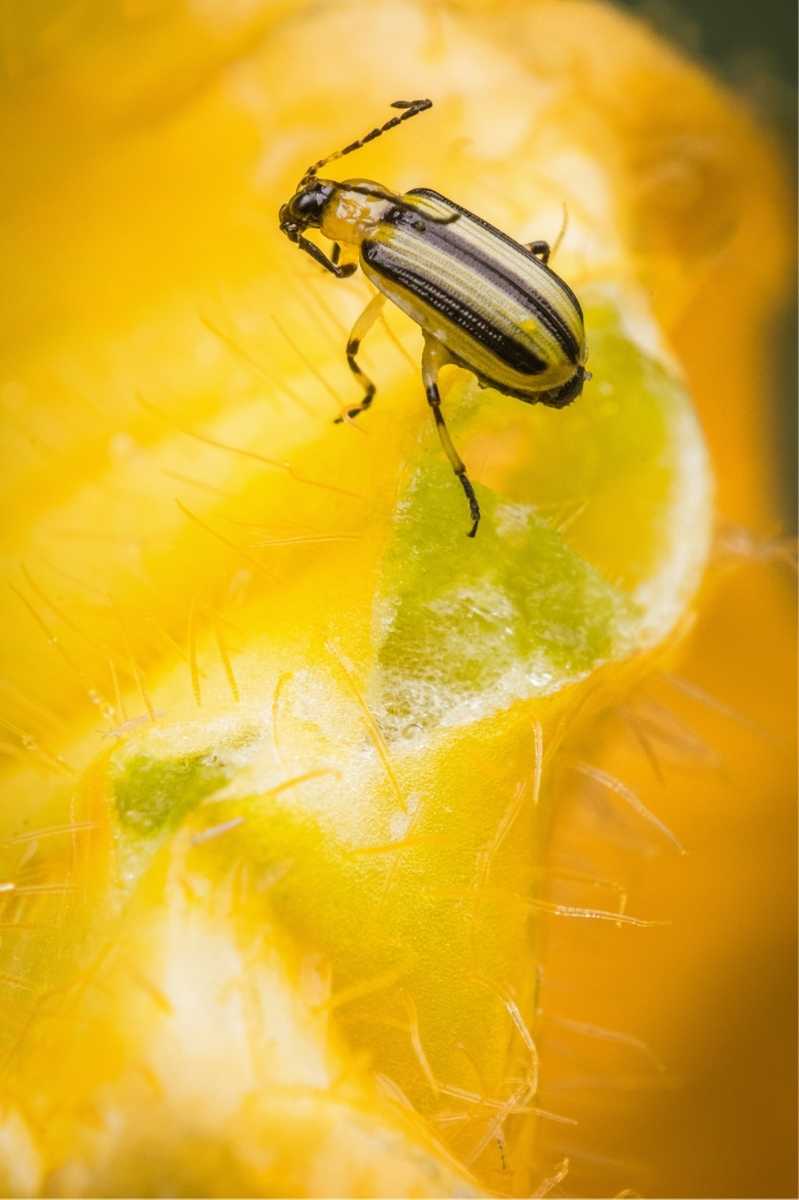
<point>306,206</point>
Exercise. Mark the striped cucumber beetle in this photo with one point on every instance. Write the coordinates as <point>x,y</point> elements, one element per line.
<point>483,301</point>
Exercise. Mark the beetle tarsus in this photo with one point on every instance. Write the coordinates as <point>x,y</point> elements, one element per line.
<point>474,507</point>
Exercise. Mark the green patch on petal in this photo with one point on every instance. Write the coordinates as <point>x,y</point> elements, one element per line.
<point>469,624</point>
<point>152,794</point>
<point>590,552</point>
<point>620,467</point>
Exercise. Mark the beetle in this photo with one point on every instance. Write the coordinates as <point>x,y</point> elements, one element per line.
<point>483,300</point>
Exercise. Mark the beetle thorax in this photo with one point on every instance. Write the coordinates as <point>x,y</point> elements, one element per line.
<point>351,215</point>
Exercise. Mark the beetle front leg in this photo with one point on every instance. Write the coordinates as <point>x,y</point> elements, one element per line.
<point>359,330</point>
<point>433,358</point>
<point>320,257</point>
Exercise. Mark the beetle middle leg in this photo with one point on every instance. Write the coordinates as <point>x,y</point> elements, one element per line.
<point>433,358</point>
<point>359,330</point>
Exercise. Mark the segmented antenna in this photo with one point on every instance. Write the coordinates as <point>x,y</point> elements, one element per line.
<point>410,107</point>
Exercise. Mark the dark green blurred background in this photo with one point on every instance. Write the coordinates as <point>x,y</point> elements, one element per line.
<point>753,47</point>
<point>737,35</point>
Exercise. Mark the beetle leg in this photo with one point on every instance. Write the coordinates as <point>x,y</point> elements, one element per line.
<point>335,254</point>
<point>359,330</point>
<point>323,260</point>
<point>433,358</point>
<point>540,250</point>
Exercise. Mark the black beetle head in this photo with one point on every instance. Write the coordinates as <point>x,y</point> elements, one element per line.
<point>304,209</point>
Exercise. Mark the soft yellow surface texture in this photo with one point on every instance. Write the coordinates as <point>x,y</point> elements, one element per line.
<point>278,892</point>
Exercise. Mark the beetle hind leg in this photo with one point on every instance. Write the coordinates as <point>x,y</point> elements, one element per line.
<point>541,250</point>
<point>359,330</point>
<point>433,357</point>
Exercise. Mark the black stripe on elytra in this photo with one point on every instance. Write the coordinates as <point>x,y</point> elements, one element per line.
<point>447,240</point>
<point>512,353</point>
<point>514,285</point>
<point>430,194</point>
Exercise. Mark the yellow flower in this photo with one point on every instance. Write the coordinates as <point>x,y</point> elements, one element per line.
<point>324,821</point>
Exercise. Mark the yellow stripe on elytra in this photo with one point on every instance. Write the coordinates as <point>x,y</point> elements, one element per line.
<point>512,318</point>
<point>464,347</point>
<point>471,232</point>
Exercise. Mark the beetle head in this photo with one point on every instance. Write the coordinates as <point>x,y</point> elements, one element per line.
<point>304,209</point>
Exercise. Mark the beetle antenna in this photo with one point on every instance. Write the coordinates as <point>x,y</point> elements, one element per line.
<point>410,109</point>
